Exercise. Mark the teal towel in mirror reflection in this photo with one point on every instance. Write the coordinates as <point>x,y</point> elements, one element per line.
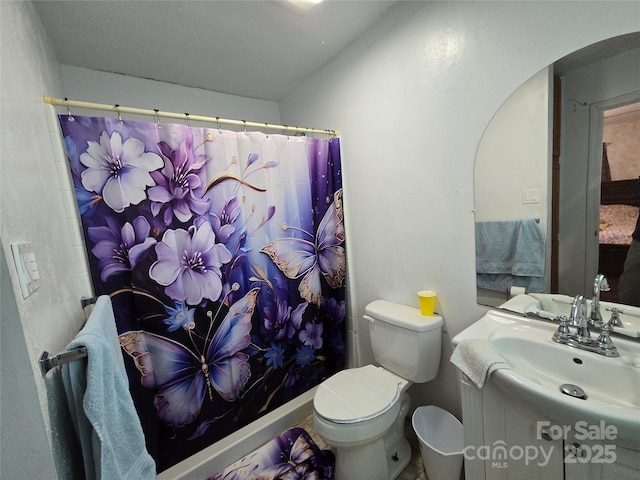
<point>510,253</point>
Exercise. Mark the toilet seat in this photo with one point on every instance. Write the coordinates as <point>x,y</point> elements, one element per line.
<point>358,394</point>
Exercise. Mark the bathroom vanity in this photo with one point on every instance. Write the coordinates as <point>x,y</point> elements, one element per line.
<point>549,410</point>
<point>513,440</point>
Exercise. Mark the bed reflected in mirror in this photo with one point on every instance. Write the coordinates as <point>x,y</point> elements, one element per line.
<point>619,192</point>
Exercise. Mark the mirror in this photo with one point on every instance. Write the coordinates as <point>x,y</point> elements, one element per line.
<point>538,169</point>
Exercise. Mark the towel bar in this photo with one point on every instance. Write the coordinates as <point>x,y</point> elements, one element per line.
<point>85,302</point>
<point>47,362</point>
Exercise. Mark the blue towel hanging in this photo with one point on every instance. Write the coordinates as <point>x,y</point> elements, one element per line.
<point>103,413</point>
<point>510,253</point>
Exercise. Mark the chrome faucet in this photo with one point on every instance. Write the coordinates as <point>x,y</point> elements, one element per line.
<point>579,320</point>
<point>599,285</point>
<point>581,339</point>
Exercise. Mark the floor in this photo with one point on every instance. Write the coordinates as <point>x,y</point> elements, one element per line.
<point>415,469</point>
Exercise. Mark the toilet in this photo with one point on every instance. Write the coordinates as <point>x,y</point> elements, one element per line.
<point>361,411</point>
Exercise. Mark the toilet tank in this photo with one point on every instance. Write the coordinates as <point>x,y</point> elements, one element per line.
<point>404,341</point>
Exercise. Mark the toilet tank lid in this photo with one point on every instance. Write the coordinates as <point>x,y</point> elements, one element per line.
<point>403,316</point>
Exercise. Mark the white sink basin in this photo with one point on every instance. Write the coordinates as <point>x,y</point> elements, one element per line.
<point>551,365</point>
<point>539,367</point>
<point>552,305</point>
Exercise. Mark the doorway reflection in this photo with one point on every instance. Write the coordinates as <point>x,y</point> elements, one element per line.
<point>619,191</point>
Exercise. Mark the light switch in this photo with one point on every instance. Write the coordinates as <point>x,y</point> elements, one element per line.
<point>26,267</point>
<point>531,195</point>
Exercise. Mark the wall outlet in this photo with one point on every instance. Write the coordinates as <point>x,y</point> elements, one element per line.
<point>26,267</point>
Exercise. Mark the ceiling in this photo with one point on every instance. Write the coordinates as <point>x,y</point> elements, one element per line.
<point>257,49</point>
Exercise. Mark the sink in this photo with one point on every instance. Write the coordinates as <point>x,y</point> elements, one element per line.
<point>539,367</point>
<point>551,365</point>
<point>551,305</point>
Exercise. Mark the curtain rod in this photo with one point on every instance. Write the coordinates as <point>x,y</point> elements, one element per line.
<point>181,116</point>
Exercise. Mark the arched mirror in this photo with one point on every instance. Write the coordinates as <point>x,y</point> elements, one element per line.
<point>541,175</point>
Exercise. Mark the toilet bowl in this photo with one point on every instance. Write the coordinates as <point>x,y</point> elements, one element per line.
<point>357,405</point>
<point>361,411</point>
<point>355,412</point>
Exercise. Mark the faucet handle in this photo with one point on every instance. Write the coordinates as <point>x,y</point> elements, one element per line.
<point>614,321</point>
<point>605,344</point>
<point>563,332</point>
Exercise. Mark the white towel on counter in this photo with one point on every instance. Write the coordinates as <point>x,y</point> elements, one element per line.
<point>103,413</point>
<point>477,359</point>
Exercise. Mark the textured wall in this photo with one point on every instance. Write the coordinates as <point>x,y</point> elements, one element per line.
<point>412,98</point>
<point>622,135</point>
<point>32,211</point>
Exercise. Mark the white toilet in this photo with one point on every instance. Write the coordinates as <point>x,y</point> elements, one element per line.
<point>361,411</point>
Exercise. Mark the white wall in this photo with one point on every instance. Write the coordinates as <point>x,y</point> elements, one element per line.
<point>581,89</point>
<point>411,99</point>
<point>621,133</point>
<point>111,88</point>
<point>20,398</point>
<point>32,211</point>
<point>515,155</point>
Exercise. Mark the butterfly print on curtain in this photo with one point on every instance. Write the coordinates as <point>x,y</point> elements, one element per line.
<point>312,260</point>
<point>223,316</point>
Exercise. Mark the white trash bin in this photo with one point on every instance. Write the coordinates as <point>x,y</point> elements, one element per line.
<point>441,442</point>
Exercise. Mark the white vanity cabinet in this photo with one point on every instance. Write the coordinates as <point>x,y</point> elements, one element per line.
<point>507,439</point>
<point>502,440</point>
<point>599,460</point>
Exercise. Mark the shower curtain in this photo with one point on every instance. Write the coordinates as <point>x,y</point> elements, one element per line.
<point>223,253</point>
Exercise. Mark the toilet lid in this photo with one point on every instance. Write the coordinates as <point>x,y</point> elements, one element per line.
<point>356,394</point>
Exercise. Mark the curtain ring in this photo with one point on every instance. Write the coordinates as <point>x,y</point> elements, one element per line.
<point>69,116</point>
<point>218,123</point>
<point>286,131</point>
<point>244,127</point>
<point>186,119</point>
<point>266,134</point>
<point>118,112</point>
<point>157,117</point>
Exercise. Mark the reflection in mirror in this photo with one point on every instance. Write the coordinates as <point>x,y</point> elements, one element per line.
<point>512,188</point>
<point>619,201</point>
<point>550,306</point>
<point>519,166</point>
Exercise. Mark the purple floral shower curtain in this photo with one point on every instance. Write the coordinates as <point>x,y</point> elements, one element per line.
<point>223,254</point>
